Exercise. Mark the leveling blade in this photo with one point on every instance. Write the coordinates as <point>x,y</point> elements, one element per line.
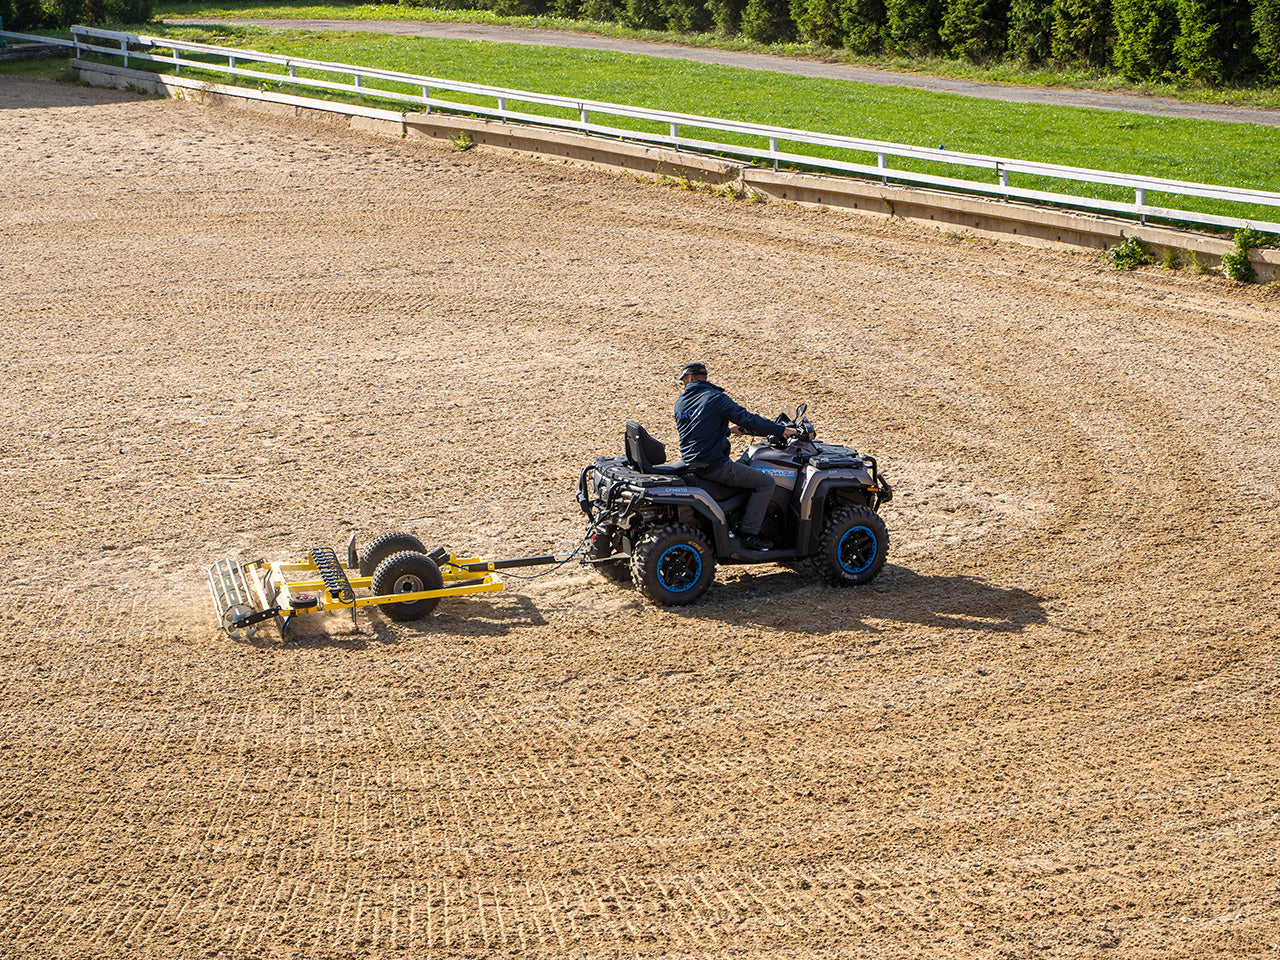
<point>232,599</point>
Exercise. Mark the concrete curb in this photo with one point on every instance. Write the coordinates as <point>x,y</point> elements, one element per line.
<point>1021,223</point>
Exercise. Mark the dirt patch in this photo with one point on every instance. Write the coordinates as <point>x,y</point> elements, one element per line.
<point>1047,729</point>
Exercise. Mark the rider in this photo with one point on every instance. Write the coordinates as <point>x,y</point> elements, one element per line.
<point>704,413</point>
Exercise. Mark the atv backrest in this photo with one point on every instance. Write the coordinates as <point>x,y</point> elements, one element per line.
<point>643,451</point>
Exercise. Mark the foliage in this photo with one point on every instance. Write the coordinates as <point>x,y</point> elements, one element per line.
<point>1235,262</point>
<point>1215,40</point>
<point>768,21</point>
<point>864,23</point>
<point>727,15</point>
<point>975,30</point>
<point>63,13</point>
<point>1145,35</point>
<point>1266,24</point>
<point>1031,30</point>
<point>818,21</point>
<point>912,26</point>
<point>1082,32</point>
<point>1129,254</point>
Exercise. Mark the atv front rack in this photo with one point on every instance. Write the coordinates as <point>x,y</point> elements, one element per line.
<point>245,595</point>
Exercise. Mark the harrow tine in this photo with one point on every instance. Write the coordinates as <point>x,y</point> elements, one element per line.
<point>231,597</point>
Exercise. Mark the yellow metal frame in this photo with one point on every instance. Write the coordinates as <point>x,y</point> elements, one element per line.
<point>285,581</point>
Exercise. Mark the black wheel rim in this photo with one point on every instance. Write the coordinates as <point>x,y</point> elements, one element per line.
<point>679,568</point>
<point>857,550</point>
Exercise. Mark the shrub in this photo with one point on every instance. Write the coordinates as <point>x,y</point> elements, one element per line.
<point>1235,262</point>
<point>1266,24</point>
<point>864,23</point>
<point>1031,30</point>
<point>688,16</point>
<point>912,26</point>
<point>1082,32</point>
<point>768,21</point>
<point>1128,254</point>
<point>819,21</point>
<point>727,15</point>
<point>1145,34</point>
<point>644,14</point>
<point>976,30</point>
<point>1216,40</point>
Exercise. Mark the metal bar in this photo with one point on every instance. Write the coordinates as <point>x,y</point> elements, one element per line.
<point>674,120</point>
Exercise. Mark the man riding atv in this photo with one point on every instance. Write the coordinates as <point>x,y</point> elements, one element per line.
<point>703,414</point>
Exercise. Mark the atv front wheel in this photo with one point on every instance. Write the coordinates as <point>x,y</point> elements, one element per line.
<point>407,572</point>
<point>673,564</point>
<point>852,547</point>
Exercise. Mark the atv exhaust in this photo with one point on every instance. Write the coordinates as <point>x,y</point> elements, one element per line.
<point>232,599</point>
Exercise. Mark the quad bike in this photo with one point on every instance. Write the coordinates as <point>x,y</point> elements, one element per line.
<point>659,525</point>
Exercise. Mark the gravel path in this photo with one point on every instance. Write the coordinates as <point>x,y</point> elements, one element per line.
<point>1046,730</point>
<point>1157,106</point>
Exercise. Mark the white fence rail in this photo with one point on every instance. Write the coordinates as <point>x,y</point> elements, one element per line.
<point>776,145</point>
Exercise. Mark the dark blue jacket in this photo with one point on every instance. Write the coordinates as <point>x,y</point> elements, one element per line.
<point>703,414</point>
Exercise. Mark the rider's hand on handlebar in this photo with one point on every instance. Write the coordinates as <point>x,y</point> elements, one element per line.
<point>789,432</point>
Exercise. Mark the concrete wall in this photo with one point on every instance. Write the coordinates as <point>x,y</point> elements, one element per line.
<point>1021,223</point>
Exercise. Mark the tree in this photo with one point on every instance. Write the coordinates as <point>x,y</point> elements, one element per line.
<point>818,21</point>
<point>727,15</point>
<point>913,26</point>
<point>1082,32</point>
<point>644,14</point>
<point>1266,23</point>
<point>1215,40</point>
<point>864,23</point>
<point>976,30</point>
<point>1145,35</point>
<point>1031,30</point>
<point>768,21</point>
<point>687,16</point>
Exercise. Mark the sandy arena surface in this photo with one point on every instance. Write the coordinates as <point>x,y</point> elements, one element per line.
<point>1047,730</point>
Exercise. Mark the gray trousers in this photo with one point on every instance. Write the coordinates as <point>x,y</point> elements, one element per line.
<point>734,474</point>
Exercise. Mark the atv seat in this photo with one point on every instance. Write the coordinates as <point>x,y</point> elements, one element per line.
<point>729,498</point>
<point>648,455</point>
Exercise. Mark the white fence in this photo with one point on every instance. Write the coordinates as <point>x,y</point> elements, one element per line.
<point>754,142</point>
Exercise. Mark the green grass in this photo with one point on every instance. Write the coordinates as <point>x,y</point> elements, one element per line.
<point>999,72</point>
<point>1182,149</point>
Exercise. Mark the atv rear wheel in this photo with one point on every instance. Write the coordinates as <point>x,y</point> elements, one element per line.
<point>619,571</point>
<point>380,548</point>
<point>673,564</point>
<point>407,572</point>
<point>852,547</point>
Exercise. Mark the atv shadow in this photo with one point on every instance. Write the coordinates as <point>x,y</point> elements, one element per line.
<point>794,601</point>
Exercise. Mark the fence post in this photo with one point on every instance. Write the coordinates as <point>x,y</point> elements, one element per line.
<point>773,148</point>
<point>124,50</point>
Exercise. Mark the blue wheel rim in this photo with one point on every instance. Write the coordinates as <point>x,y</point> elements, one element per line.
<point>679,568</point>
<point>857,550</point>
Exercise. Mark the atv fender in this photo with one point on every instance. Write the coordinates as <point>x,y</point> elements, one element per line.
<point>702,503</point>
<point>813,500</point>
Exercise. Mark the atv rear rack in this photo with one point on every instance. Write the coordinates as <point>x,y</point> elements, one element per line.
<point>245,595</point>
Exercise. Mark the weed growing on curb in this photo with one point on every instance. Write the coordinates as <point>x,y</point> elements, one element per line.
<point>1129,254</point>
<point>463,141</point>
<point>1171,260</point>
<point>1235,262</point>
<point>1197,268</point>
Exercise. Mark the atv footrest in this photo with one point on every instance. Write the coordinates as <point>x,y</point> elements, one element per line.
<point>331,572</point>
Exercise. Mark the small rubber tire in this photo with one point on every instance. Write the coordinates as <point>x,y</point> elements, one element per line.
<point>616,571</point>
<point>852,547</point>
<point>386,545</point>
<point>673,564</point>
<point>407,572</point>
